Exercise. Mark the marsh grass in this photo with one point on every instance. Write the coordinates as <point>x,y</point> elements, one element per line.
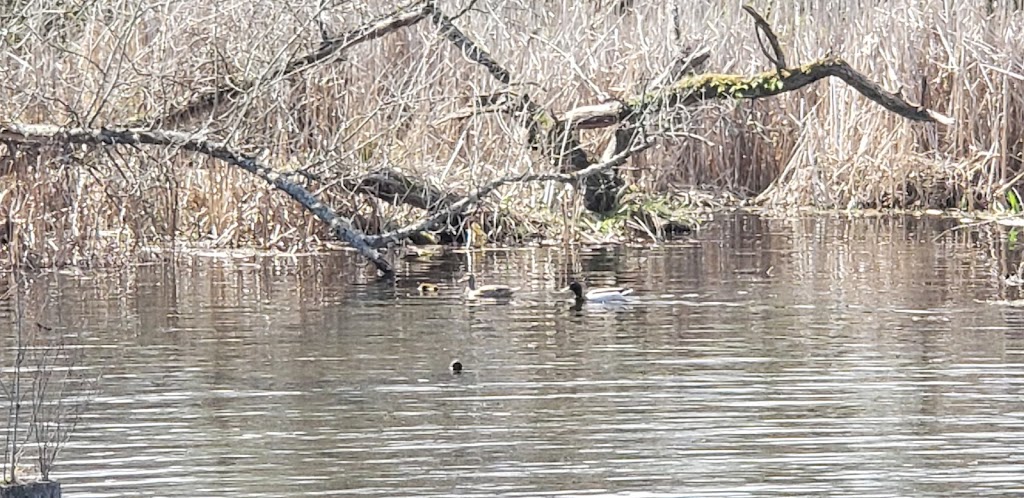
<point>111,61</point>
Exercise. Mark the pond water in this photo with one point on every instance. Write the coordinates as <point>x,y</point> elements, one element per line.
<point>761,357</point>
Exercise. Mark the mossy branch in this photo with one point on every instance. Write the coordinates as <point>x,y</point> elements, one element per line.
<point>694,89</point>
<point>24,134</point>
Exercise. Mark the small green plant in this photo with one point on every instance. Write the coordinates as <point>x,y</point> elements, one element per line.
<point>1013,199</point>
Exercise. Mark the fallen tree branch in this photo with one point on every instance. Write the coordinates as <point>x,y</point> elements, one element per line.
<point>558,136</point>
<point>464,204</point>
<point>698,88</point>
<point>48,134</point>
<point>392,186</point>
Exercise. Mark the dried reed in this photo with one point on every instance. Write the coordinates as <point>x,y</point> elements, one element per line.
<point>111,61</point>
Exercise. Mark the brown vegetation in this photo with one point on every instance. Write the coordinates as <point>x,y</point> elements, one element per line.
<point>324,97</point>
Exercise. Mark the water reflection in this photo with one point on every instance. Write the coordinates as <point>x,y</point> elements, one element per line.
<point>764,357</point>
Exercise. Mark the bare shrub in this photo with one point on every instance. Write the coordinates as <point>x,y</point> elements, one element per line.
<point>45,388</point>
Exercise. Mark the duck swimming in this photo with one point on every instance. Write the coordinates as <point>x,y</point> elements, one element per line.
<point>600,294</point>
<point>493,291</point>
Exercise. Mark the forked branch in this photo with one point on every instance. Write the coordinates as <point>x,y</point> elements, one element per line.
<point>778,58</point>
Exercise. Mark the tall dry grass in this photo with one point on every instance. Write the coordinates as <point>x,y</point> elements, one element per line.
<point>107,62</point>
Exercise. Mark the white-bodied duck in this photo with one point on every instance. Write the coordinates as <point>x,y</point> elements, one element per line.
<point>600,294</point>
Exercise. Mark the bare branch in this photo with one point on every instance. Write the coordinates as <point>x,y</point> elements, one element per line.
<point>779,58</point>
<point>342,227</point>
<point>406,16</point>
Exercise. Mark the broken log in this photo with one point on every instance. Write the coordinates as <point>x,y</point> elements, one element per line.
<point>394,187</point>
<point>397,188</point>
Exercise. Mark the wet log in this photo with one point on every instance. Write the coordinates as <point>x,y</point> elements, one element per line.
<point>37,489</point>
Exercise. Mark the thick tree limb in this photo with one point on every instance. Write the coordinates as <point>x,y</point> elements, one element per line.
<point>47,134</point>
<point>698,88</point>
<point>694,89</point>
<point>392,186</point>
<point>395,187</point>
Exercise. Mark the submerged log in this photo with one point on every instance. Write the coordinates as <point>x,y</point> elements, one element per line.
<point>36,489</point>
